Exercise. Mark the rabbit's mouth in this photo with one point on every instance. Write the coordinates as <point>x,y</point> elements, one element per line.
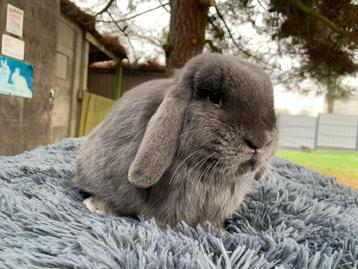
<point>247,166</point>
<point>254,163</point>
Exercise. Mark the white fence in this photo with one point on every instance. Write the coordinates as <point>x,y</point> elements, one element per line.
<point>325,131</point>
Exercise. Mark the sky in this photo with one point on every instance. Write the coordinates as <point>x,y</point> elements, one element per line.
<point>152,23</point>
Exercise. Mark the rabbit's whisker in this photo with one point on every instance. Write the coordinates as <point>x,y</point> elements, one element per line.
<point>201,162</point>
<point>212,167</point>
<point>181,163</point>
<point>198,181</point>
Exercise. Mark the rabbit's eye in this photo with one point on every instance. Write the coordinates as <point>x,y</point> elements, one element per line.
<point>214,98</point>
<point>211,96</point>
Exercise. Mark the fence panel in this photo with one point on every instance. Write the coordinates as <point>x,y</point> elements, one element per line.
<point>94,110</point>
<point>337,131</point>
<point>296,131</point>
<point>325,131</point>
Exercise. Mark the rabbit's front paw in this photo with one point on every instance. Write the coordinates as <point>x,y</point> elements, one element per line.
<point>97,206</point>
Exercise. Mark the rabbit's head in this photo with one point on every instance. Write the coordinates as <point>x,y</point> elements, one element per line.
<point>219,110</point>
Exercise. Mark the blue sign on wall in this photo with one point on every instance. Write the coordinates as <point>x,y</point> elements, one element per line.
<point>15,77</point>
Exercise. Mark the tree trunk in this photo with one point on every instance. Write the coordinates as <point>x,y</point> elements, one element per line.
<point>331,94</point>
<point>330,104</point>
<point>187,31</point>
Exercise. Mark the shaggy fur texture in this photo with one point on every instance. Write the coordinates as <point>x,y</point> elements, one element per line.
<point>295,219</point>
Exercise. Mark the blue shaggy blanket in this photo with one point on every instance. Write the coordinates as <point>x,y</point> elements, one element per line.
<point>294,219</point>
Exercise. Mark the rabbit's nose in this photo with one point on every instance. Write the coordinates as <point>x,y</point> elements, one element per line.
<point>254,142</point>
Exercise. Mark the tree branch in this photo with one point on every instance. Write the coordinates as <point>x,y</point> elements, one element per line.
<point>166,9</point>
<point>247,53</point>
<point>265,64</point>
<point>123,31</point>
<point>229,31</point>
<point>110,2</point>
<point>308,10</point>
<point>136,15</point>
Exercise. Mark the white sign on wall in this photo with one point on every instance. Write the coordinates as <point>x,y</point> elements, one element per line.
<point>14,20</point>
<point>13,47</point>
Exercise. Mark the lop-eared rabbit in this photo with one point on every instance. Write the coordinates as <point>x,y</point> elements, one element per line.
<point>185,148</point>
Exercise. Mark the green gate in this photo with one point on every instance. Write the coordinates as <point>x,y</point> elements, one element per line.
<point>95,107</point>
<point>94,110</point>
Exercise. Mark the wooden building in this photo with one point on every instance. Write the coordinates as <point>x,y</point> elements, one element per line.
<point>102,75</point>
<point>60,43</point>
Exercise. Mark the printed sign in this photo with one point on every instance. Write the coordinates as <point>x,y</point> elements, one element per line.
<point>13,47</point>
<point>14,20</point>
<point>15,77</point>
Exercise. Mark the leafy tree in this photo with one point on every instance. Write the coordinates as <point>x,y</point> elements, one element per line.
<point>321,34</point>
<point>320,37</point>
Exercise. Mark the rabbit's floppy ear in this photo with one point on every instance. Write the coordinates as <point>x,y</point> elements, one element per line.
<point>159,143</point>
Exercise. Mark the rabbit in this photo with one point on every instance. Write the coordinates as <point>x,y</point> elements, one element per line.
<point>186,148</point>
<point>20,83</point>
<point>4,74</point>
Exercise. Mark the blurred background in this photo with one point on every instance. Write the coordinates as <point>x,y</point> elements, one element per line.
<point>75,58</point>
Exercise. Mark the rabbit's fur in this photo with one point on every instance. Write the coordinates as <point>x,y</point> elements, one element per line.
<point>185,148</point>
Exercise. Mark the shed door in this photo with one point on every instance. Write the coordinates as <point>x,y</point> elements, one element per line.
<point>64,92</point>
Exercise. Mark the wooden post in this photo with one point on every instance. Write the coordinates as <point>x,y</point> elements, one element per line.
<point>118,86</point>
<point>84,112</point>
<point>84,66</point>
<point>83,87</point>
<point>75,112</point>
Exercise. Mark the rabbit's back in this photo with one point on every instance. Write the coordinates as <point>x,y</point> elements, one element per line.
<point>105,156</point>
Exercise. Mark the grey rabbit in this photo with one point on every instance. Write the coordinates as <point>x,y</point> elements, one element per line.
<point>185,148</point>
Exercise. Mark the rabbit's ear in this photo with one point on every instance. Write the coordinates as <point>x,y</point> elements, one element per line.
<point>159,143</point>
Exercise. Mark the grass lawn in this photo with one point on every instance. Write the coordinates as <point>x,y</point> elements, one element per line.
<point>340,164</point>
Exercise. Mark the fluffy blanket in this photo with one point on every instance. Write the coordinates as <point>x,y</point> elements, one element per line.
<point>295,219</point>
